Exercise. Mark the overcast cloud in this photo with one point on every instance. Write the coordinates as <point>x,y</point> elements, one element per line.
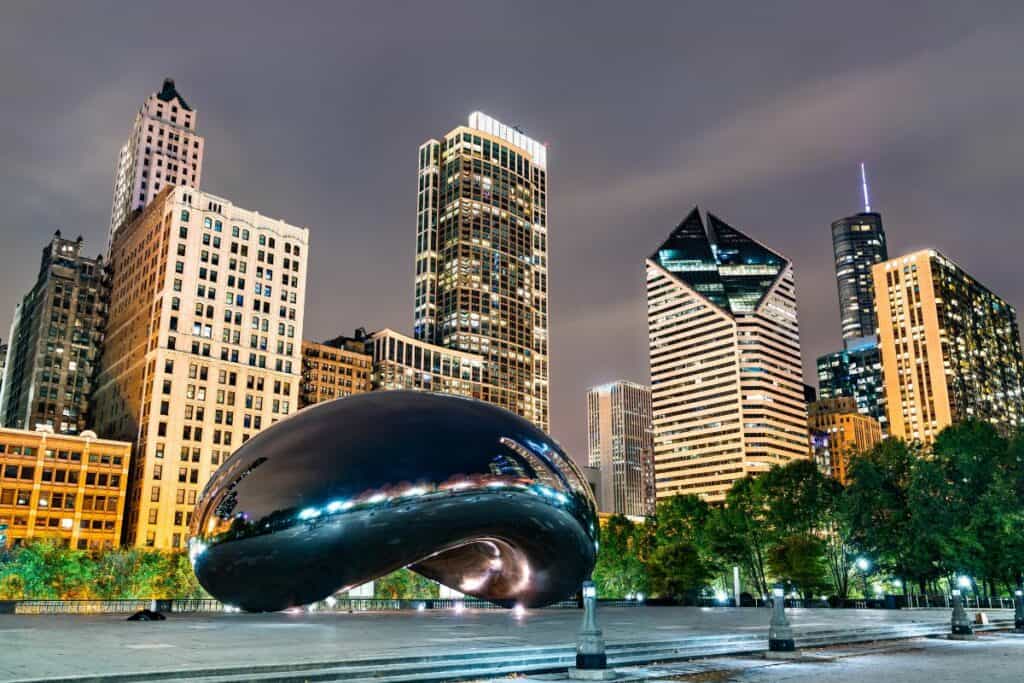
<point>760,112</point>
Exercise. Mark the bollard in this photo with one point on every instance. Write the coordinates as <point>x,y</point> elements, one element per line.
<point>1018,611</point>
<point>962,627</point>
<point>780,634</point>
<point>591,660</point>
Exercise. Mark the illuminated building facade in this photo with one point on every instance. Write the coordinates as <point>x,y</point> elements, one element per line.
<point>855,372</point>
<point>56,341</point>
<point>203,347</point>
<point>858,243</point>
<point>950,348</point>
<point>71,488</point>
<point>330,372</point>
<point>847,431</point>
<point>401,362</point>
<point>727,391</point>
<point>481,283</point>
<point>163,150</point>
<point>619,445</point>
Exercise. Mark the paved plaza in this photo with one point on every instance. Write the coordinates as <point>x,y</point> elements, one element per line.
<point>59,646</point>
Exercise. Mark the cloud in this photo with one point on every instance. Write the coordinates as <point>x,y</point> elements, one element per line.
<point>813,125</point>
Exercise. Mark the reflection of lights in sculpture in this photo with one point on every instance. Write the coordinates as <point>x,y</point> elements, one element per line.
<point>343,492</point>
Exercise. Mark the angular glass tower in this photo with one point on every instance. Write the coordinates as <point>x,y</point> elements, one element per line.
<point>727,390</point>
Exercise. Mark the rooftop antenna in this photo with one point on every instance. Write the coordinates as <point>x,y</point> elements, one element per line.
<point>864,186</point>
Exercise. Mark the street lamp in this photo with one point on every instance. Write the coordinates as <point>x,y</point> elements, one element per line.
<point>864,564</point>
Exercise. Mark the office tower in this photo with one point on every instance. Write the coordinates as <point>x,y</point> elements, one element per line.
<point>618,441</point>
<point>203,347</point>
<point>55,342</point>
<point>725,359</point>
<point>950,348</point>
<point>71,488</point>
<point>163,150</point>
<point>330,372</point>
<point>481,258</point>
<point>858,243</point>
<point>856,372</point>
<point>847,431</point>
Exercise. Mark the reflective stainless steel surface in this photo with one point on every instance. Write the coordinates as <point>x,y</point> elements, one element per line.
<point>344,492</point>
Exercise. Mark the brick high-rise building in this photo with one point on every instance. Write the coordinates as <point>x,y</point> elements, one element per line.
<point>481,282</point>
<point>847,430</point>
<point>203,347</point>
<point>725,359</point>
<point>71,488</point>
<point>55,342</point>
<point>332,371</point>
<point>950,348</point>
<point>163,150</point>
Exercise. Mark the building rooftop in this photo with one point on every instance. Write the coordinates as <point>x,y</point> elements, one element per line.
<point>168,93</point>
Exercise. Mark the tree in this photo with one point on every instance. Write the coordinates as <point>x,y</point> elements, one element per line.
<point>46,570</point>
<point>803,503</point>
<point>676,548</point>
<point>738,534</point>
<point>619,570</point>
<point>677,570</point>
<point>799,560</point>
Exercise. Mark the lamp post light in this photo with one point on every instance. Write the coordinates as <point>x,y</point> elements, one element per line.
<point>863,564</point>
<point>963,629</point>
<point>1018,610</point>
<point>780,633</point>
<point>591,660</point>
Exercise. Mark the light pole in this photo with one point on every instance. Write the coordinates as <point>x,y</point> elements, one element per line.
<point>591,660</point>
<point>863,564</point>
<point>1018,610</point>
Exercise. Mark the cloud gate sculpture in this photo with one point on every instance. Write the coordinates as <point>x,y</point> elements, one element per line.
<point>344,492</point>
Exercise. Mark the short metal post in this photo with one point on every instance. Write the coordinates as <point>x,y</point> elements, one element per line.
<point>780,633</point>
<point>591,660</point>
<point>963,629</point>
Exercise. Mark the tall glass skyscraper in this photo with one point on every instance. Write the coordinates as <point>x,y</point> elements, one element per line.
<point>858,243</point>
<point>481,258</point>
<point>856,373</point>
<point>727,384</point>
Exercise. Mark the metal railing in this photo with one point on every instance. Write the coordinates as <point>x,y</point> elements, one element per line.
<point>208,605</point>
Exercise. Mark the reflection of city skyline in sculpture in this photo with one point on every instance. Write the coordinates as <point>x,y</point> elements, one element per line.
<point>344,492</point>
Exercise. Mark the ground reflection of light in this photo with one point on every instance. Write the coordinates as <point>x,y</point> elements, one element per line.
<point>520,611</point>
<point>420,607</point>
<point>459,607</point>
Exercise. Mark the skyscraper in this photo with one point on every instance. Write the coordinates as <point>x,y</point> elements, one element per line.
<point>203,347</point>
<point>481,282</point>
<point>619,443</point>
<point>856,372</point>
<point>858,243</point>
<point>950,348</point>
<point>55,342</point>
<point>162,150</point>
<point>725,359</point>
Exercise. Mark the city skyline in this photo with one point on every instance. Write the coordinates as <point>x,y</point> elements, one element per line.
<point>941,180</point>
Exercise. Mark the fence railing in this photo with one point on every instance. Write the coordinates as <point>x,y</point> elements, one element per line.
<point>345,604</point>
<point>210,606</point>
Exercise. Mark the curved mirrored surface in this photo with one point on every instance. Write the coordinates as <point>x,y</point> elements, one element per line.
<point>341,493</point>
